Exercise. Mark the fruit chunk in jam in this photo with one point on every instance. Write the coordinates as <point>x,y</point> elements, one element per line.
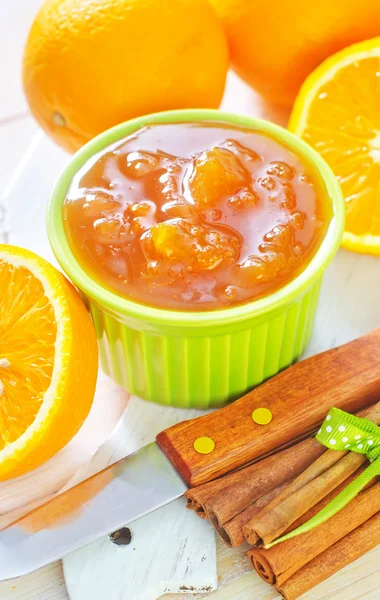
<point>194,246</point>
<point>215,173</point>
<point>195,216</point>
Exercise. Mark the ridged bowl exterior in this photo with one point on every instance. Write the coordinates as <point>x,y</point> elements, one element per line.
<point>204,359</point>
<point>198,370</point>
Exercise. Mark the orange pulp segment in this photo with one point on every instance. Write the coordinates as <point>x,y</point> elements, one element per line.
<point>337,112</point>
<point>48,361</point>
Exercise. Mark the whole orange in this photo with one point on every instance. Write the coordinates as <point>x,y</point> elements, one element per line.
<point>90,64</point>
<point>275,45</point>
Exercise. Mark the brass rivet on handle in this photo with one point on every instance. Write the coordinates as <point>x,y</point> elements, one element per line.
<point>262,416</point>
<point>204,445</point>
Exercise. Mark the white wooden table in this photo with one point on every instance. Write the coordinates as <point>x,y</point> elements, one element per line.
<point>349,307</point>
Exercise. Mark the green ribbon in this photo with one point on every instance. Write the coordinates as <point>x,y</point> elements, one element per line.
<point>342,431</point>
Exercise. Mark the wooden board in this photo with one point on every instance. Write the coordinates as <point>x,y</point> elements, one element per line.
<point>359,581</point>
<point>348,308</point>
<point>171,549</point>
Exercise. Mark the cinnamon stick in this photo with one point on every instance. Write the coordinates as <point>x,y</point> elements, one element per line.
<point>279,515</point>
<point>311,486</point>
<point>232,531</point>
<point>259,479</point>
<point>317,507</point>
<point>277,564</point>
<point>198,497</point>
<point>360,541</point>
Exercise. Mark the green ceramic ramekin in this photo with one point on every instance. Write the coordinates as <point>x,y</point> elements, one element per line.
<point>199,359</point>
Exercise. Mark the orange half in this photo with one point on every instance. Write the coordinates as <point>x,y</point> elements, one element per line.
<point>48,361</point>
<point>338,113</point>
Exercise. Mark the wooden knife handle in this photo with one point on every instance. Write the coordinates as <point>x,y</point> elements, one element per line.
<point>299,398</point>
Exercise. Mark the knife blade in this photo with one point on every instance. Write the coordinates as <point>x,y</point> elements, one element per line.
<point>347,377</point>
<point>131,488</point>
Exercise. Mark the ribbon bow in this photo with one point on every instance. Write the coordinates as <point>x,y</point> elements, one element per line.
<point>343,431</point>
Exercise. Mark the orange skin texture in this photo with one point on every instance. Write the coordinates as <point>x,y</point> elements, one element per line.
<point>91,65</point>
<point>274,46</point>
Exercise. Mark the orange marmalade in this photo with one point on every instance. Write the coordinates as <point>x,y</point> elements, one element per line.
<point>195,216</point>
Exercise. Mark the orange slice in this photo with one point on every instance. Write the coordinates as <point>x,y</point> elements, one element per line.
<point>48,361</point>
<point>338,112</point>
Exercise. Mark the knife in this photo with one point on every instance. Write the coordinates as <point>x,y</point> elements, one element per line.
<point>347,377</point>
